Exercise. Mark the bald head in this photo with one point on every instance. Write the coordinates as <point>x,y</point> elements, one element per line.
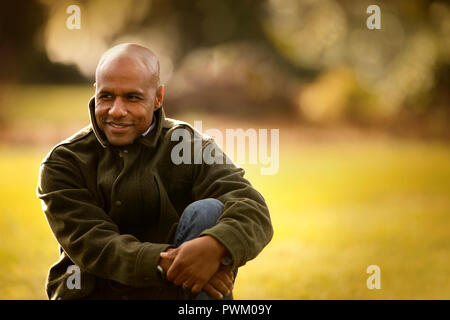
<point>127,92</point>
<point>131,53</point>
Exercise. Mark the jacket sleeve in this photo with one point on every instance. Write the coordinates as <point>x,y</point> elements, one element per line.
<point>85,231</point>
<point>244,227</point>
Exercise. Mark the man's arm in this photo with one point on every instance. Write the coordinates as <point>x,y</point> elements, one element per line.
<point>85,231</point>
<point>243,229</point>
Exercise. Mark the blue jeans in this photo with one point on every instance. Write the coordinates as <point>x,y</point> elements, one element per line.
<point>197,217</point>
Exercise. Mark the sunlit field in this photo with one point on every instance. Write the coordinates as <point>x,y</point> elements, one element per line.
<point>337,207</point>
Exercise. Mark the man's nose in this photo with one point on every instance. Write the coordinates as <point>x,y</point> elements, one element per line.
<point>118,108</point>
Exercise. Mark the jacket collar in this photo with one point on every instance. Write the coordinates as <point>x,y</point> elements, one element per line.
<point>149,140</point>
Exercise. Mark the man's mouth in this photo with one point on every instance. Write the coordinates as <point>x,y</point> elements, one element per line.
<point>118,127</point>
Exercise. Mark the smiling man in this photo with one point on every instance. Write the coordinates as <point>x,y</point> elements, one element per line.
<point>137,225</point>
<point>127,75</point>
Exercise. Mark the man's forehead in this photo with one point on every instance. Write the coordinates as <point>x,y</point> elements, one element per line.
<point>121,80</point>
<point>120,89</point>
<point>130,53</point>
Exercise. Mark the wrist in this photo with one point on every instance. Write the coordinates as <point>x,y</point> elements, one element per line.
<point>224,255</point>
<point>220,248</point>
<point>165,263</point>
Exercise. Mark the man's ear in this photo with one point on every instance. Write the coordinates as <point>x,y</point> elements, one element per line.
<point>159,97</point>
<point>95,85</point>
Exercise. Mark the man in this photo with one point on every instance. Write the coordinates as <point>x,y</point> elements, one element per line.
<point>137,225</point>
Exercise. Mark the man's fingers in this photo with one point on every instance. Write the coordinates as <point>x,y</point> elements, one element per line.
<point>228,276</point>
<point>179,279</point>
<point>187,284</point>
<point>173,272</point>
<point>212,292</point>
<point>196,288</point>
<point>224,287</point>
<point>169,254</point>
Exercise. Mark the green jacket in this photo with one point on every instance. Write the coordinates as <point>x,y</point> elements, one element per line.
<point>114,209</point>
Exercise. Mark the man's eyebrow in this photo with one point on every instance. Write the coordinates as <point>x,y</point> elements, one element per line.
<point>135,93</point>
<point>104,92</point>
<point>128,93</point>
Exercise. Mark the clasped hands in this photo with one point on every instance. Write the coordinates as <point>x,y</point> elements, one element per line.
<point>195,265</point>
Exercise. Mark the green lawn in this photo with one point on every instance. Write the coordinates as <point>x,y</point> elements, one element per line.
<point>339,208</point>
<point>336,209</point>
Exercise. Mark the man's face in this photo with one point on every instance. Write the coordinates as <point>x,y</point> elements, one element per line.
<point>126,96</point>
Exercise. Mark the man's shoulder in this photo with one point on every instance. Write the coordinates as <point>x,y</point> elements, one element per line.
<point>170,123</point>
<point>82,139</point>
<point>82,134</point>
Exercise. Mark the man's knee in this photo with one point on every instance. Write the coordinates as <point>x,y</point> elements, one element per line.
<point>197,217</point>
<point>206,210</point>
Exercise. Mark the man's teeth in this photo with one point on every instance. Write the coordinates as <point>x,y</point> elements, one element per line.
<point>117,126</point>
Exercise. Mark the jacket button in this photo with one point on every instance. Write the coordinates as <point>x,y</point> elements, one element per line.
<point>118,203</point>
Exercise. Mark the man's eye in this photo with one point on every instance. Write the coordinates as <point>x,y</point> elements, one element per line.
<point>131,97</point>
<point>105,96</point>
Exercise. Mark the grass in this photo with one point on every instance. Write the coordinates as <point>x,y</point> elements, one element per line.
<point>27,247</point>
<point>337,207</point>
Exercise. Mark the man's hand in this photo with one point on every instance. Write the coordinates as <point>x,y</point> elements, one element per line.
<point>221,284</point>
<point>166,262</point>
<point>194,263</point>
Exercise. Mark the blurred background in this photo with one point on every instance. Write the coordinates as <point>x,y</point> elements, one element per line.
<point>364,116</point>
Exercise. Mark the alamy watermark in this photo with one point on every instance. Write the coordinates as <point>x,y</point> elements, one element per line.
<point>374,280</point>
<point>74,280</point>
<point>374,20</point>
<point>74,20</point>
<point>186,152</point>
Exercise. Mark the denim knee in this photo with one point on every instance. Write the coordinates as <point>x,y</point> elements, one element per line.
<point>208,209</point>
<point>197,217</point>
